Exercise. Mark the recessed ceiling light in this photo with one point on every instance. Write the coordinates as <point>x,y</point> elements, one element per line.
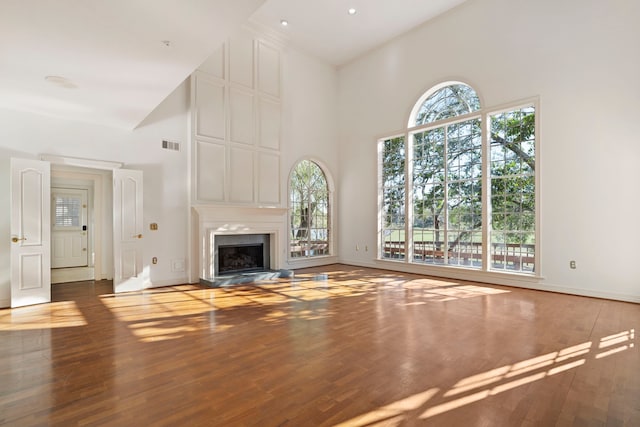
<point>352,11</point>
<point>284,22</point>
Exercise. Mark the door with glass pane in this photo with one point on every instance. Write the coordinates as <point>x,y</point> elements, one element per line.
<point>69,228</point>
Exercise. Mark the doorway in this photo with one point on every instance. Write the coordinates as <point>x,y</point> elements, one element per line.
<point>79,215</point>
<point>70,249</point>
<point>117,206</point>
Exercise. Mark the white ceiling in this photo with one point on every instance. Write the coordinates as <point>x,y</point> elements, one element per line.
<point>110,50</point>
<point>117,68</point>
<point>325,29</point>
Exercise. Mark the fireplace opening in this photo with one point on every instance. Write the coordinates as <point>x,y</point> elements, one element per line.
<point>241,253</point>
<point>240,258</point>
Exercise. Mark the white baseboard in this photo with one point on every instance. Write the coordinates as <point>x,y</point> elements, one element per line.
<point>169,282</point>
<point>503,279</point>
<point>293,264</point>
<point>76,274</point>
<point>585,292</point>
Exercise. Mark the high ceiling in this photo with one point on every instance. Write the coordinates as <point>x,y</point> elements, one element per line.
<point>112,62</point>
<point>326,29</point>
<point>106,58</point>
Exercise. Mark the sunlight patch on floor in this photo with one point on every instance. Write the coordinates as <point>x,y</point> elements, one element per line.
<point>623,338</point>
<point>492,382</point>
<point>63,314</point>
<point>498,377</point>
<point>394,411</point>
<point>152,314</point>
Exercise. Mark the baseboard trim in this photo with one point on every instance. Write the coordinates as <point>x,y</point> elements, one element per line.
<point>74,274</point>
<point>533,283</point>
<point>585,293</point>
<point>169,282</point>
<point>311,262</point>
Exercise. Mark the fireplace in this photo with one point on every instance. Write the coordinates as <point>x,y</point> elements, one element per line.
<point>215,225</point>
<point>241,253</point>
<point>240,258</point>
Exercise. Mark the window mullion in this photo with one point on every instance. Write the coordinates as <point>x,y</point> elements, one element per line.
<point>408,200</point>
<point>486,194</point>
<point>445,156</point>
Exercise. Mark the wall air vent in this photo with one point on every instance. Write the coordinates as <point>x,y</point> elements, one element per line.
<point>170,145</point>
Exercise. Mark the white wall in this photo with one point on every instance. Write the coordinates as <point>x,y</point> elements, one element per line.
<point>310,129</point>
<point>308,98</point>
<point>304,95</point>
<point>165,173</point>
<point>581,59</point>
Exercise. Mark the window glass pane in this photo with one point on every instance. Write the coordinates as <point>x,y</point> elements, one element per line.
<point>393,199</point>
<point>464,198</point>
<point>429,196</point>
<point>67,211</point>
<point>450,101</point>
<point>513,190</point>
<point>309,204</point>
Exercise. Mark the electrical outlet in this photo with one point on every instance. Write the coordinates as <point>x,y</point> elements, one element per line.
<point>154,260</point>
<point>572,264</point>
<point>366,248</point>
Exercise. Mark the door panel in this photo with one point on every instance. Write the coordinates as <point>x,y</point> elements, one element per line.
<point>30,232</point>
<point>127,231</point>
<point>68,227</point>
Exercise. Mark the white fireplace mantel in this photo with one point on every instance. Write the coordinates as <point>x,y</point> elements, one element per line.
<point>224,220</point>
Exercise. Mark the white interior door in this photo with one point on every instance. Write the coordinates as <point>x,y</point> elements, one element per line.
<point>30,232</point>
<point>129,273</point>
<point>69,207</point>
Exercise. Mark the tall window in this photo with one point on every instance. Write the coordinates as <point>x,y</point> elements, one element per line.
<point>393,198</point>
<point>470,195</point>
<point>309,208</point>
<point>513,196</point>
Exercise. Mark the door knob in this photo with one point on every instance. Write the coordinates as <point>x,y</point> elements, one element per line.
<point>16,240</point>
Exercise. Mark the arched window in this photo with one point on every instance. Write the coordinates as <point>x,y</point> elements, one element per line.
<point>472,195</point>
<point>452,100</point>
<point>309,210</point>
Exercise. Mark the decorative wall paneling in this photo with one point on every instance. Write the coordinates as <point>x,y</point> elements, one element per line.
<point>211,167</point>
<point>211,112</point>
<point>236,125</point>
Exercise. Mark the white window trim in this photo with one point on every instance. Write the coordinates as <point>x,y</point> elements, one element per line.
<point>331,257</point>
<point>483,113</point>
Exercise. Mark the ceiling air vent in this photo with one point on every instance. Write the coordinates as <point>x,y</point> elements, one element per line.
<point>171,145</point>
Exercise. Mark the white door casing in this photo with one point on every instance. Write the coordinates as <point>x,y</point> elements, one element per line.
<point>30,232</point>
<point>69,208</point>
<point>129,273</point>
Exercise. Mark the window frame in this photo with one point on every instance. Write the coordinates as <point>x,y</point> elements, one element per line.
<point>330,213</point>
<point>483,114</point>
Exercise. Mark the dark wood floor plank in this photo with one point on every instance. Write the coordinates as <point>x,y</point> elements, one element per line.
<point>335,345</point>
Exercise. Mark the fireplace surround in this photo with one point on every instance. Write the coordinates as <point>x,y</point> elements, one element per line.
<point>214,224</point>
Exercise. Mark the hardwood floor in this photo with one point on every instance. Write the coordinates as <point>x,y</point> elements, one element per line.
<point>354,347</point>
